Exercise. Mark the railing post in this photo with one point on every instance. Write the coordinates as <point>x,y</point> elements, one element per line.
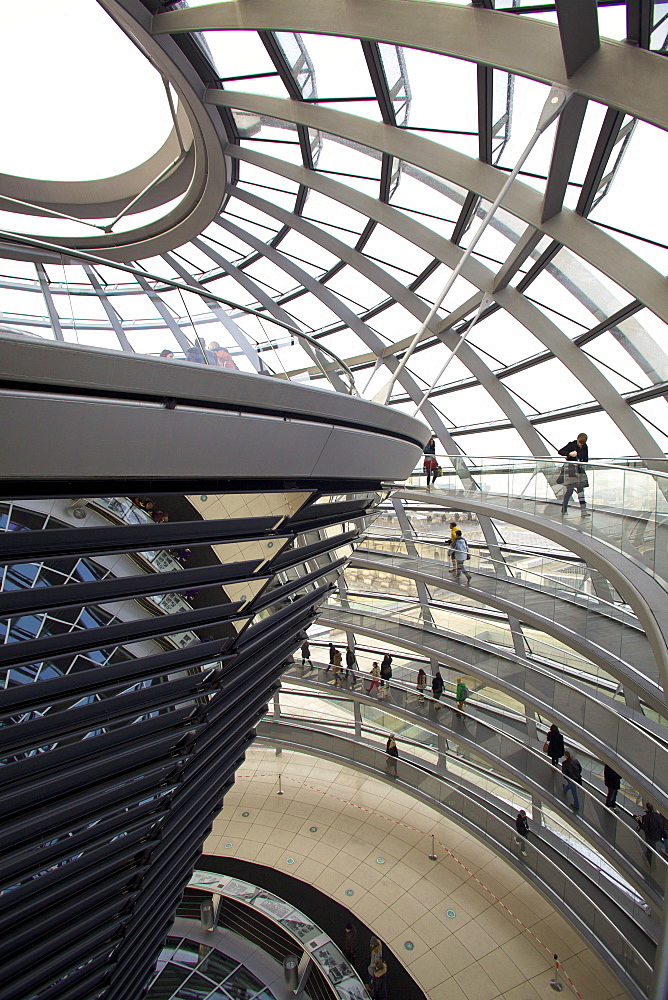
<point>556,983</point>
<point>442,757</point>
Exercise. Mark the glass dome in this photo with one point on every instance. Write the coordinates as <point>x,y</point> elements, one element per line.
<point>358,172</point>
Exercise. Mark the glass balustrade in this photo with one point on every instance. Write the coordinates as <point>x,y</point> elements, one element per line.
<point>598,901</point>
<point>609,629</point>
<point>627,508</point>
<point>481,629</point>
<point>89,301</point>
<point>485,740</point>
<point>566,578</point>
<point>550,694</point>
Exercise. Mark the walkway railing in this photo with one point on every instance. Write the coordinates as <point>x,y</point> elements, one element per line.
<point>607,727</point>
<point>589,645</point>
<point>180,319</point>
<point>461,625</point>
<point>559,572</point>
<point>627,508</point>
<point>499,751</point>
<point>264,911</point>
<point>625,946</point>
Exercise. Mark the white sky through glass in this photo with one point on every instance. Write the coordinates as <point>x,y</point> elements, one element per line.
<point>80,101</point>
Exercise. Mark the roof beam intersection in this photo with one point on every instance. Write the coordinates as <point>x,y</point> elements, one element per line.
<point>567,228</point>
<point>625,77</point>
<point>578,29</point>
<point>507,403</point>
<point>539,324</point>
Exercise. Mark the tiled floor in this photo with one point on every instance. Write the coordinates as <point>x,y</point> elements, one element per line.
<point>503,934</point>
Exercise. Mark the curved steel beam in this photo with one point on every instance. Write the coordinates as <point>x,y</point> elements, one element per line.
<point>619,75</point>
<point>525,312</point>
<point>207,165</point>
<point>568,228</point>
<point>412,303</point>
<point>592,293</point>
<point>347,316</point>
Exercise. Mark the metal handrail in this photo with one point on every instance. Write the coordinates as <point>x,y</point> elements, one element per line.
<point>562,878</point>
<point>471,765</point>
<point>538,461</point>
<point>343,980</point>
<point>360,606</point>
<point>442,541</point>
<point>65,252</point>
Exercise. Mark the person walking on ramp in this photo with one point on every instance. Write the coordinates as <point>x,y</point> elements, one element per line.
<point>573,475</point>
<point>460,553</point>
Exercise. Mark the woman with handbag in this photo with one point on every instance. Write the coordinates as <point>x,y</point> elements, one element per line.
<point>573,475</point>
<point>421,684</point>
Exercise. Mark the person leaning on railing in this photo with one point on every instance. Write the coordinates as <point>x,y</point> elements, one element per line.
<point>573,475</point>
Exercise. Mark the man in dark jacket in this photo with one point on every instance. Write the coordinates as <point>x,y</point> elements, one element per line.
<point>392,752</point>
<point>306,654</point>
<point>573,474</point>
<point>332,653</point>
<point>522,827</point>
<point>555,744</point>
<point>351,663</point>
<point>572,771</point>
<point>350,943</point>
<point>437,686</point>
<point>652,825</point>
<point>386,669</point>
<point>612,781</point>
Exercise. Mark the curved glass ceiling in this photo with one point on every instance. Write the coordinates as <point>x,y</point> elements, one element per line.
<point>359,173</point>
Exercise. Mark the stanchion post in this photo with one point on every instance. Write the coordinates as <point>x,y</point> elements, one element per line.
<point>432,856</point>
<point>280,787</point>
<point>555,982</point>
